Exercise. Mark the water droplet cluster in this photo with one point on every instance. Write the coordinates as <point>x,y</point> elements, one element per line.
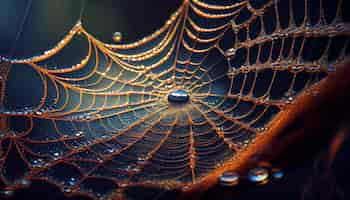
<point>256,176</point>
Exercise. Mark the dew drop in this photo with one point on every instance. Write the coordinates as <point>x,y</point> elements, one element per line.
<point>117,37</point>
<point>258,175</point>
<point>7,193</point>
<point>37,162</point>
<point>110,150</point>
<point>38,113</point>
<point>230,52</point>
<point>71,181</point>
<point>178,96</point>
<point>56,154</point>
<point>142,161</point>
<point>25,182</point>
<point>79,133</point>
<point>277,173</point>
<point>67,190</point>
<point>98,195</point>
<point>297,68</point>
<point>229,178</point>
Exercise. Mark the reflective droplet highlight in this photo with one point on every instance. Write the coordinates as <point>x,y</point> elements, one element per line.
<point>229,178</point>
<point>258,175</point>
<point>178,96</point>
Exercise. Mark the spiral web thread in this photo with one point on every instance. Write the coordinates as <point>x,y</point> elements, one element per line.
<point>105,124</point>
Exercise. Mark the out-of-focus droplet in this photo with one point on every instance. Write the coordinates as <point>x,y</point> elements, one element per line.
<point>25,182</point>
<point>277,173</point>
<point>229,178</point>
<point>258,175</point>
<point>7,193</point>
<point>117,36</point>
<point>315,93</point>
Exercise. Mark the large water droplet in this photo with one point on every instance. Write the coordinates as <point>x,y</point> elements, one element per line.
<point>258,175</point>
<point>178,96</point>
<point>229,178</point>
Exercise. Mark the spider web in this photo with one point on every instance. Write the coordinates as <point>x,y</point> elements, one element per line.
<point>102,121</point>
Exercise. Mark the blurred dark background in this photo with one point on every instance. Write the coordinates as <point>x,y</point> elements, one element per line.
<point>48,21</point>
